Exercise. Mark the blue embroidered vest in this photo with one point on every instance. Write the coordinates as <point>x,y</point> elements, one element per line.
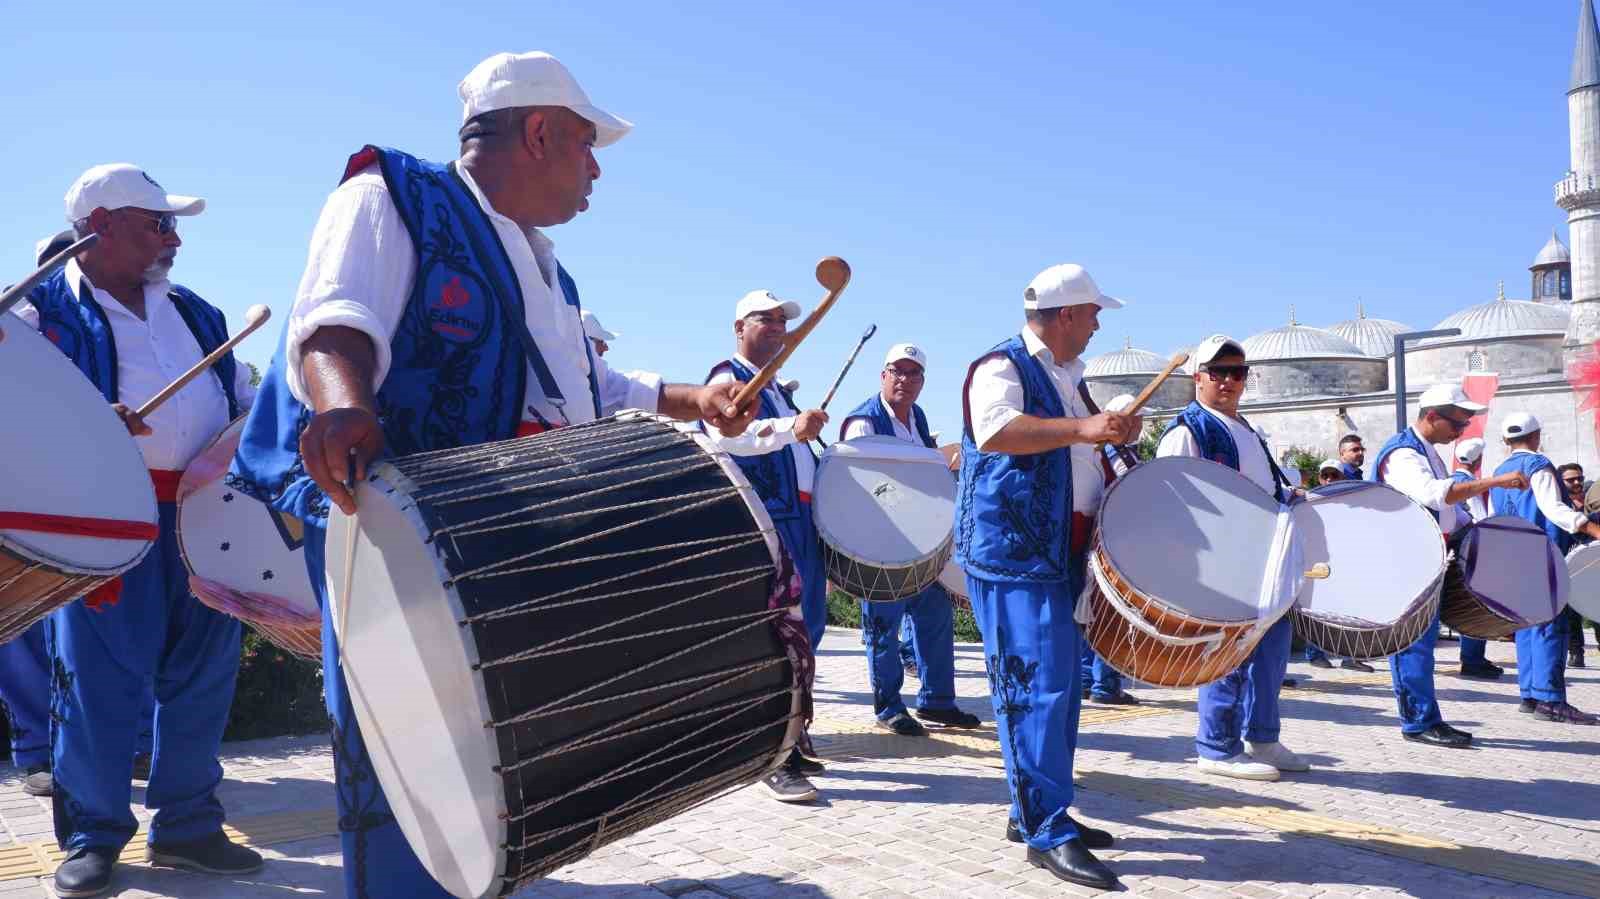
<point>772,475</point>
<point>1014,512</point>
<point>1408,439</point>
<point>459,355</point>
<point>1216,442</point>
<point>1522,503</point>
<point>79,328</point>
<point>874,412</point>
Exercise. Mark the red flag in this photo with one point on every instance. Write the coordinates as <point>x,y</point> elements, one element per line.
<point>1479,387</point>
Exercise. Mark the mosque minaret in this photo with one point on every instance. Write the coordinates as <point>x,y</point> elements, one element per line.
<point>1579,192</point>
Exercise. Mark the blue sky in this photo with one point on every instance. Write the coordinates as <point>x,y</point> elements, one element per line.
<point>1211,163</point>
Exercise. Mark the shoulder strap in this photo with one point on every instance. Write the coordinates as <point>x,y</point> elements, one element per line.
<point>1105,459</point>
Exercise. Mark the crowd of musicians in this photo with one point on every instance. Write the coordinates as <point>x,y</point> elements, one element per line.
<point>433,313</point>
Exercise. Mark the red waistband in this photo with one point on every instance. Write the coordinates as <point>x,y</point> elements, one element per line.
<point>530,428</point>
<point>166,484</point>
<point>1082,528</point>
<point>805,497</point>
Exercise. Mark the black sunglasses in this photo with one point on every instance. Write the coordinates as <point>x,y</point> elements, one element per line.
<point>166,222</point>
<point>1227,372</point>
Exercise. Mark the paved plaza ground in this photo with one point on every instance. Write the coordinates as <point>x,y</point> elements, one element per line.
<point>1517,816</point>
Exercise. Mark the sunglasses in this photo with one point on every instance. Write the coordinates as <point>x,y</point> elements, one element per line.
<point>1227,372</point>
<point>166,222</point>
<point>1457,423</point>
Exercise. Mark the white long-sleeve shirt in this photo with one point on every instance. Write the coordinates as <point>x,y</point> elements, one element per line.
<point>768,435</point>
<point>1547,493</point>
<point>151,353</point>
<point>861,427</point>
<point>1253,462</point>
<point>359,275</point>
<point>1425,480</point>
<point>995,398</point>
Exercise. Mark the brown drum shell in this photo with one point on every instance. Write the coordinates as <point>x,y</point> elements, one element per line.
<point>1462,611</point>
<point>30,590</point>
<point>1139,655</point>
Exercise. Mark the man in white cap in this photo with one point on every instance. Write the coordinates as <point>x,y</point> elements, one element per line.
<point>1239,721</point>
<point>432,294</point>
<point>775,454</point>
<point>1329,472</point>
<point>1541,650</point>
<point>597,334</point>
<point>893,412</point>
<point>1475,663</point>
<point>1409,463</point>
<point>1031,481</point>
<point>131,331</point>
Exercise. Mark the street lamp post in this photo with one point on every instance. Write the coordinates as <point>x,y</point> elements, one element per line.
<point>1400,421</point>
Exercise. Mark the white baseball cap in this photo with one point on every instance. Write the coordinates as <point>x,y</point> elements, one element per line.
<point>1447,395</point>
<point>1065,285</point>
<point>1330,463</point>
<point>906,351</point>
<point>1119,402</point>
<point>121,185</point>
<point>507,80</point>
<point>1470,450</point>
<point>593,330</point>
<point>761,301</point>
<point>55,243</point>
<point>1212,347</point>
<point>1518,424</point>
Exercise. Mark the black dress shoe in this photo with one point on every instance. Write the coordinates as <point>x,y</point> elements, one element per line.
<point>1356,665</point>
<point>950,717</point>
<point>214,854</point>
<point>1122,697</point>
<point>1319,662</point>
<point>1455,730</point>
<point>1480,672</point>
<point>902,725</point>
<point>86,872</point>
<point>1092,837</point>
<point>1441,735</point>
<point>800,763</point>
<point>1527,706</point>
<point>1073,862</point>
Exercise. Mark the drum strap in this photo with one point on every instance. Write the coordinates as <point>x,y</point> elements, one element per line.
<point>1105,462</point>
<point>78,526</point>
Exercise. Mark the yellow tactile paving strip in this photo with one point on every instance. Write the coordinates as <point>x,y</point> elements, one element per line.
<point>843,740</point>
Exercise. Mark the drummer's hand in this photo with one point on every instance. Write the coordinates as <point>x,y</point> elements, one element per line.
<point>808,424</point>
<point>715,402</point>
<point>131,420</point>
<point>1111,427</point>
<point>1591,529</point>
<point>1512,480</point>
<point>326,446</point>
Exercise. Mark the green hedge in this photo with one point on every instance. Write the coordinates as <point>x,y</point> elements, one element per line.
<point>845,611</point>
<point>277,694</point>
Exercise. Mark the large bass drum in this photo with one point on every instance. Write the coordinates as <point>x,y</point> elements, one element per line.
<point>1583,570</point>
<point>1192,563</point>
<point>1507,575</point>
<point>885,510</point>
<point>77,507</point>
<point>1386,562</point>
<point>554,642</point>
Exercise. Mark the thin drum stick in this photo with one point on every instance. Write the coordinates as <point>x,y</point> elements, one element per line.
<point>832,273</point>
<point>847,363</point>
<point>255,317</point>
<point>1149,390</point>
<point>16,292</point>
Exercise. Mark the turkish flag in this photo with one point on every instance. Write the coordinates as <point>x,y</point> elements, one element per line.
<point>1479,387</point>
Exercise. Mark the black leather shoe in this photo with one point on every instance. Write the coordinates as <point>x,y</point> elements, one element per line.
<point>86,872</point>
<point>1356,665</point>
<point>950,717</point>
<point>1456,730</point>
<point>1527,706</point>
<point>800,763</point>
<point>1122,697</point>
<point>1319,662</point>
<point>903,725</point>
<point>1480,672</point>
<point>1441,735</point>
<point>214,854</point>
<point>1073,862</point>
<point>1092,837</point>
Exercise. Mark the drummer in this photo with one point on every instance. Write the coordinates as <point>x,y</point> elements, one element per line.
<point>116,315</point>
<point>776,456</point>
<point>893,412</point>
<point>1102,684</point>
<point>373,327</point>
<point>1028,443</point>
<point>1409,463</point>
<point>1239,723</point>
<point>598,336</point>
<point>1541,649</point>
<point>1469,466</point>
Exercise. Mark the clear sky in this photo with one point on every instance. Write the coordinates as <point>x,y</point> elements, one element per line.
<point>1212,163</point>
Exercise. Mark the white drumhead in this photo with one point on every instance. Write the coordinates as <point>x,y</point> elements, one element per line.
<point>66,453</point>
<point>1203,538</point>
<point>1583,568</point>
<point>1515,564</point>
<point>884,501</point>
<point>1383,551</point>
<point>235,540</point>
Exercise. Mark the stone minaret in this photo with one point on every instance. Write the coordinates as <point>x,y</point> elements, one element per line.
<point>1579,192</point>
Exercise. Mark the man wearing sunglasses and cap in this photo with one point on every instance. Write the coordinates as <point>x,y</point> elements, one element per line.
<point>431,293</point>
<point>893,412</point>
<point>1409,463</point>
<point>131,331</point>
<point>1541,649</point>
<point>1239,722</point>
<point>1031,482</point>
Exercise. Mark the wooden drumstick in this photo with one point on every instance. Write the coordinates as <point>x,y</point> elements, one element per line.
<point>254,317</point>
<point>1319,571</point>
<point>832,273</point>
<point>1173,364</point>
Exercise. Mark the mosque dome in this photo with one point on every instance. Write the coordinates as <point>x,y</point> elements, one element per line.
<point>1126,361</point>
<point>1297,341</point>
<point>1373,336</point>
<point>1506,318</point>
<point>1129,370</point>
<point>1554,253</point>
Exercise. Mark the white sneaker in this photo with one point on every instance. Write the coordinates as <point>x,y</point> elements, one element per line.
<point>1276,755</point>
<point>1240,766</point>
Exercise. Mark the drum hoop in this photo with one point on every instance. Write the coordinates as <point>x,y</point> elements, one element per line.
<point>1431,594</point>
<point>836,545</point>
<point>725,461</point>
<point>177,526</point>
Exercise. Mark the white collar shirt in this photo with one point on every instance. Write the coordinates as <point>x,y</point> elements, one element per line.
<point>1546,489</point>
<point>1253,461</point>
<point>1424,479</point>
<point>769,435</point>
<point>861,427</point>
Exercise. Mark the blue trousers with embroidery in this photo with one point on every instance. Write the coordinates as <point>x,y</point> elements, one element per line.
<point>1243,705</point>
<point>1542,661</point>
<point>908,641</point>
<point>25,688</point>
<point>1472,652</point>
<point>1104,681</point>
<point>799,537</point>
<point>1411,673</point>
<point>378,861</point>
<point>1031,647</point>
<point>934,636</point>
<point>105,659</point>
